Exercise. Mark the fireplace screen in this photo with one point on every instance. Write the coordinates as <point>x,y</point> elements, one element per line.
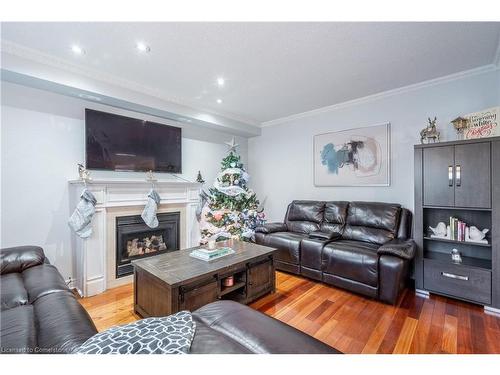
<point>135,240</point>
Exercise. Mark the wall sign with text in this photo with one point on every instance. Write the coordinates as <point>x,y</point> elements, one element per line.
<point>483,124</point>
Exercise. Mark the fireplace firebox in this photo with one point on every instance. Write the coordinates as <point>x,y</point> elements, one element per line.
<point>135,240</point>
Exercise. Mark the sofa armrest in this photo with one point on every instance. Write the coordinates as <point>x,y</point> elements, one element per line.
<point>404,249</point>
<point>319,235</point>
<point>271,228</point>
<point>253,330</point>
<point>17,259</point>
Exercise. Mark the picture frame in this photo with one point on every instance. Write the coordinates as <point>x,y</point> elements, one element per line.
<point>353,157</point>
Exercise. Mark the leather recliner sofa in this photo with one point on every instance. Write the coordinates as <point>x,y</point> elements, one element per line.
<point>364,247</point>
<point>39,314</point>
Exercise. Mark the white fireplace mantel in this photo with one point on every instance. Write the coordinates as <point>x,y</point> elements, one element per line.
<point>94,257</point>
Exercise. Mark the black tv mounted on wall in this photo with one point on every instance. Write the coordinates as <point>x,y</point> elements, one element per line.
<point>120,143</point>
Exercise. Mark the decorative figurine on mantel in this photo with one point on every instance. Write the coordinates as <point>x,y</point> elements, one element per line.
<point>199,178</point>
<point>430,132</point>
<point>150,177</point>
<point>460,124</point>
<point>83,173</point>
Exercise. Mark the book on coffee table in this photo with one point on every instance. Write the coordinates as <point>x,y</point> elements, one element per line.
<point>206,254</point>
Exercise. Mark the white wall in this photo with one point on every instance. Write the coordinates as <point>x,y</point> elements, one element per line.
<point>281,159</point>
<point>42,140</point>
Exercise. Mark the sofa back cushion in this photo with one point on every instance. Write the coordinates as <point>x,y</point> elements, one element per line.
<point>372,222</point>
<point>304,216</point>
<point>334,217</point>
<point>20,258</point>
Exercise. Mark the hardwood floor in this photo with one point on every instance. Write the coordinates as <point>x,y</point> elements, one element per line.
<point>348,322</point>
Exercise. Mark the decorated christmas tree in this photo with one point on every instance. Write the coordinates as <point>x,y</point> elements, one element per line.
<point>230,209</point>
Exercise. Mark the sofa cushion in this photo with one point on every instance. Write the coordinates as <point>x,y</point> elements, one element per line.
<point>62,323</point>
<point>335,216</point>
<point>42,280</point>
<point>311,250</point>
<point>304,216</point>
<point>257,332</point>
<point>287,243</point>
<point>352,260</point>
<point>20,258</point>
<point>372,222</point>
<point>12,291</point>
<point>209,341</point>
<point>17,330</point>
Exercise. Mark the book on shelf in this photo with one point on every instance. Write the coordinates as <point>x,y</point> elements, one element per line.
<point>458,229</point>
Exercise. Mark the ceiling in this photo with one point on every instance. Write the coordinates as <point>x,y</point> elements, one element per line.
<point>271,70</point>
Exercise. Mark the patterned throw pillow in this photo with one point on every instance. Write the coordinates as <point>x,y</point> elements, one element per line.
<point>167,335</point>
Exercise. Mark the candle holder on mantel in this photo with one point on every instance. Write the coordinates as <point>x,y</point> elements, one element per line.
<point>460,124</point>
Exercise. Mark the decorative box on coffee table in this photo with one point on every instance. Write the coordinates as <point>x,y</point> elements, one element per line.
<point>171,282</point>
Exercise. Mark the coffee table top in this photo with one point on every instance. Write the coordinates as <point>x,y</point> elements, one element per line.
<point>179,267</point>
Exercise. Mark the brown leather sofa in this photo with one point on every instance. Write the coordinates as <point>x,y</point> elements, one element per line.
<point>364,247</point>
<point>39,314</point>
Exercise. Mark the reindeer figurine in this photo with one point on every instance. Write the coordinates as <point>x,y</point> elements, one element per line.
<point>430,132</point>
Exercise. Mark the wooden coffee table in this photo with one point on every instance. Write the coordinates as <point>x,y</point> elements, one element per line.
<point>171,282</point>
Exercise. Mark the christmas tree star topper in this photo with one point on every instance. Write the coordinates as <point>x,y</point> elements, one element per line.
<point>232,145</point>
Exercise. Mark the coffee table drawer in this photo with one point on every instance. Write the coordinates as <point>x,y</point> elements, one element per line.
<point>469,283</point>
<point>194,296</point>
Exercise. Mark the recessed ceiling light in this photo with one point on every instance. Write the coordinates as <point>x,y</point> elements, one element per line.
<point>220,81</point>
<point>77,50</point>
<point>219,101</point>
<point>142,47</point>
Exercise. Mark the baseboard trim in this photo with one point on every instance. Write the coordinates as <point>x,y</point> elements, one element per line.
<point>491,310</point>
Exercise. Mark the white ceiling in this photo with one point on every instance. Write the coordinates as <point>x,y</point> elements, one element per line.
<point>272,70</point>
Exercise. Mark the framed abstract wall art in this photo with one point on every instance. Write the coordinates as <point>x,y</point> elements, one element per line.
<point>353,157</point>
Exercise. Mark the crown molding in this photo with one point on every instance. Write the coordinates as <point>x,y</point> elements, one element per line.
<point>40,57</point>
<point>384,94</point>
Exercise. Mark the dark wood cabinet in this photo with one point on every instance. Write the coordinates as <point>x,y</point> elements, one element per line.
<point>438,164</point>
<point>473,175</point>
<point>458,280</point>
<point>457,175</point>
<point>458,179</point>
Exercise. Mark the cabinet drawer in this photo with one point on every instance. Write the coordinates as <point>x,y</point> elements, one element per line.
<point>194,296</point>
<point>459,281</point>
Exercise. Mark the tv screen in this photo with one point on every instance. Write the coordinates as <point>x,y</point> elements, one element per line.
<point>120,143</point>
